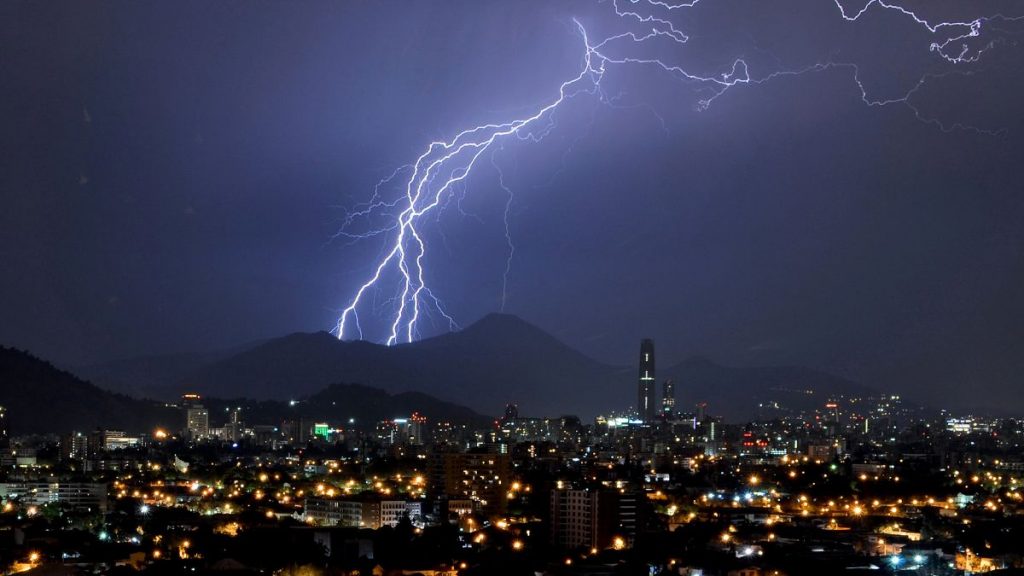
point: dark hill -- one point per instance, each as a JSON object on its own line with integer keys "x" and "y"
{"x": 40, "y": 398}
{"x": 339, "y": 404}
{"x": 736, "y": 392}
{"x": 144, "y": 375}
{"x": 499, "y": 359}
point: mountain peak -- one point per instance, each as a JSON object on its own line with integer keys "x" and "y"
{"x": 497, "y": 359}
{"x": 503, "y": 322}
{"x": 495, "y": 331}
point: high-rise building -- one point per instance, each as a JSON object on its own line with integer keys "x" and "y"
{"x": 4, "y": 437}
{"x": 645, "y": 407}
{"x": 388, "y": 431}
{"x": 295, "y": 432}
{"x": 477, "y": 476}
{"x": 234, "y": 427}
{"x": 668, "y": 399}
{"x": 598, "y": 518}
{"x": 417, "y": 429}
{"x": 74, "y": 446}
{"x": 197, "y": 417}
{"x": 575, "y": 521}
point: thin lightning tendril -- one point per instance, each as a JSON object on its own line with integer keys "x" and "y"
{"x": 446, "y": 164}
{"x": 508, "y": 233}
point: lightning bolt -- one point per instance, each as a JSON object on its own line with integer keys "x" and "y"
{"x": 967, "y": 29}
{"x": 430, "y": 181}
{"x": 508, "y": 233}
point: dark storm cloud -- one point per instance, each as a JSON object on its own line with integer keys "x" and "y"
{"x": 171, "y": 174}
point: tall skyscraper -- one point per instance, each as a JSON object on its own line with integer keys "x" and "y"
{"x": 668, "y": 399}
{"x": 646, "y": 390}
{"x": 197, "y": 417}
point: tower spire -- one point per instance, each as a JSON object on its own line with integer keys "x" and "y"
{"x": 647, "y": 387}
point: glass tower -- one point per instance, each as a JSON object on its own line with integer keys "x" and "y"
{"x": 647, "y": 387}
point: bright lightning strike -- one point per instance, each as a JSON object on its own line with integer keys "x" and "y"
{"x": 961, "y": 32}
{"x": 430, "y": 181}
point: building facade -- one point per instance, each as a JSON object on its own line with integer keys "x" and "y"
{"x": 594, "y": 518}
{"x": 197, "y": 418}
{"x": 369, "y": 513}
{"x": 77, "y": 495}
{"x": 481, "y": 477}
{"x": 668, "y": 399}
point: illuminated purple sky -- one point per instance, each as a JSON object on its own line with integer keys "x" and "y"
{"x": 172, "y": 174}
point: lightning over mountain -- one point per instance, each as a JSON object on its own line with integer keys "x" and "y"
{"x": 397, "y": 286}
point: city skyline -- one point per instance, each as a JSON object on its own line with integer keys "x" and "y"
{"x": 845, "y": 485}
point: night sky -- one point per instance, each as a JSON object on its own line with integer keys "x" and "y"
{"x": 172, "y": 174}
